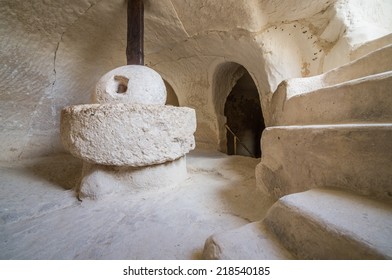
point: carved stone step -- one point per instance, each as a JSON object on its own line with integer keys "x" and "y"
{"x": 366, "y": 99}
{"x": 317, "y": 224}
{"x": 332, "y": 224}
{"x": 354, "y": 92}
{"x": 253, "y": 241}
{"x": 356, "y": 157}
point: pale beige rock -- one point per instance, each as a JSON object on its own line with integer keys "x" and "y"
{"x": 128, "y": 134}
{"x": 361, "y": 100}
{"x": 363, "y": 49}
{"x": 131, "y": 84}
{"x": 355, "y": 92}
{"x": 332, "y": 224}
{"x": 74, "y": 43}
{"x": 185, "y": 41}
{"x": 354, "y": 23}
{"x": 375, "y": 62}
{"x": 317, "y": 224}
{"x": 40, "y": 220}
{"x": 355, "y": 157}
{"x": 253, "y": 241}
{"x": 99, "y": 180}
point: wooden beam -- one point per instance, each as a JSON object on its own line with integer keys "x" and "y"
{"x": 135, "y": 32}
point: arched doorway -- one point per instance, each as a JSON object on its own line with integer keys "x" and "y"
{"x": 244, "y": 118}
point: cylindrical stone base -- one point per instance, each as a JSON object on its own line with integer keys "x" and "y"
{"x": 100, "y": 180}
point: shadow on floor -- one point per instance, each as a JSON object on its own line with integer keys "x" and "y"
{"x": 62, "y": 170}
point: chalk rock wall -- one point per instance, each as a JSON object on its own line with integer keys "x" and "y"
{"x": 53, "y": 52}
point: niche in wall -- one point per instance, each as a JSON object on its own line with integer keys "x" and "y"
{"x": 172, "y": 98}
{"x": 244, "y": 118}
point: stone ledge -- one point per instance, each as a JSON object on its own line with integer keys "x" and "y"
{"x": 253, "y": 241}
{"x": 361, "y": 100}
{"x": 332, "y": 224}
{"x": 355, "y": 157}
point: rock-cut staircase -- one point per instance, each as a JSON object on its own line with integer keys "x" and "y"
{"x": 327, "y": 159}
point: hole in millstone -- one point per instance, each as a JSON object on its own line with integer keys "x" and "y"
{"x": 122, "y": 84}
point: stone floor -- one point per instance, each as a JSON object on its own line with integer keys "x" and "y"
{"x": 40, "y": 217}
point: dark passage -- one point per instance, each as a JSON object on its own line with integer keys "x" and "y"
{"x": 244, "y": 118}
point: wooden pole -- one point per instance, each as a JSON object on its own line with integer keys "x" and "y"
{"x": 135, "y": 32}
{"x": 235, "y": 145}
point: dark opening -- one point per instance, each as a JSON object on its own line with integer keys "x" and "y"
{"x": 122, "y": 84}
{"x": 245, "y": 122}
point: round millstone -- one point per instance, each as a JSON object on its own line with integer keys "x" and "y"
{"x": 133, "y": 84}
{"x": 128, "y": 134}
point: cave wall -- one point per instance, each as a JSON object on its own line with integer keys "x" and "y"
{"x": 53, "y": 54}
{"x": 54, "y": 51}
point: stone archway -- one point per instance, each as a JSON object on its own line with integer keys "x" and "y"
{"x": 244, "y": 118}
{"x": 230, "y": 79}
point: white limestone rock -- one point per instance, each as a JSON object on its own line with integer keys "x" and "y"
{"x": 355, "y": 157}
{"x": 356, "y": 92}
{"x": 100, "y": 180}
{"x": 328, "y": 223}
{"x": 128, "y": 134}
{"x": 131, "y": 84}
{"x": 253, "y": 241}
{"x": 361, "y": 100}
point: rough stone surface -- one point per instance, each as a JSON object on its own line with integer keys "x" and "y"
{"x": 251, "y": 242}
{"x": 356, "y": 157}
{"x": 361, "y": 100}
{"x": 131, "y": 84}
{"x": 41, "y": 219}
{"x": 100, "y": 180}
{"x": 332, "y": 224}
{"x": 128, "y": 134}
{"x": 355, "y": 92}
{"x": 372, "y": 63}
{"x": 54, "y": 52}
{"x": 348, "y": 29}
{"x": 317, "y": 224}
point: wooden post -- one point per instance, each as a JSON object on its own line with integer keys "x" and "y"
{"x": 235, "y": 145}
{"x": 135, "y": 33}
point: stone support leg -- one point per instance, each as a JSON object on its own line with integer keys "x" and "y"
{"x": 100, "y": 180}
